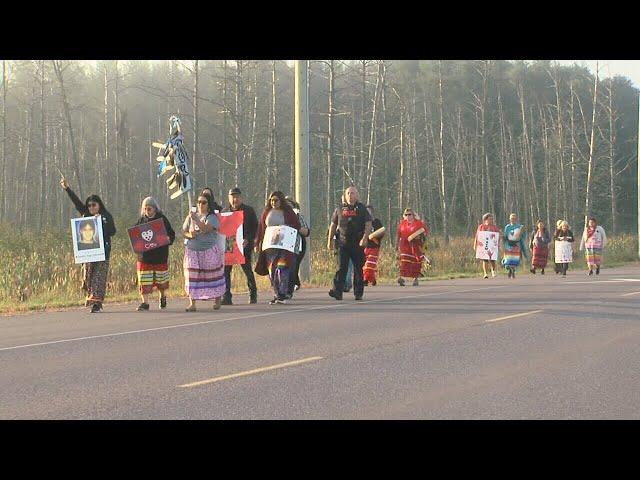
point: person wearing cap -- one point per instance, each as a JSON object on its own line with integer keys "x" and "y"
{"x": 487, "y": 225}
{"x": 410, "y": 253}
{"x": 353, "y": 221}
{"x": 249, "y": 228}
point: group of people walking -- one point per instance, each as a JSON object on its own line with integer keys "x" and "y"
{"x": 513, "y": 241}
{"x": 355, "y": 236}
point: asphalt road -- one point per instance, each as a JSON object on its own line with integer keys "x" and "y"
{"x": 537, "y": 347}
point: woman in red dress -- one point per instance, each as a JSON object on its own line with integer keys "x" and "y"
{"x": 410, "y": 253}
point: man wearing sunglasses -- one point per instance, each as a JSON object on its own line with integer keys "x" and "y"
{"x": 353, "y": 222}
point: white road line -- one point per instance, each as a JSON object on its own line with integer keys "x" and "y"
{"x": 631, "y": 293}
{"x": 598, "y": 281}
{"x": 276, "y": 311}
{"x": 250, "y": 372}
{"x": 512, "y": 316}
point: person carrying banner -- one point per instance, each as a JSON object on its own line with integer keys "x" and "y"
{"x": 563, "y": 250}
{"x": 276, "y": 262}
{"x": 203, "y": 259}
{"x": 249, "y": 228}
{"x": 152, "y": 266}
{"x": 372, "y": 250}
{"x": 487, "y": 225}
{"x": 409, "y": 241}
{"x": 594, "y": 239}
{"x": 94, "y": 274}
{"x": 353, "y": 222}
{"x": 514, "y": 236}
{"x": 300, "y": 249}
{"x": 539, "y": 246}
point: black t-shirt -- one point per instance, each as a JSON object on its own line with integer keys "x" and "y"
{"x": 350, "y": 220}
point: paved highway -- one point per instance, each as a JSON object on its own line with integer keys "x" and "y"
{"x": 537, "y": 347}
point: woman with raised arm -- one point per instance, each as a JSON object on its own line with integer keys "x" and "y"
{"x": 95, "y": 273}
{"x": 203, "y": 259}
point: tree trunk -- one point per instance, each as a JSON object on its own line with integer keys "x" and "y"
{"x": 587, "y": 204}
{"x": 443, "y": 190}
{"x": 330, "y": 199}
{"x": 5, "y": 194}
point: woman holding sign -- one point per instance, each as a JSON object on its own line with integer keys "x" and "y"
{"x": 486, "y": 244}
{"x": 95, "y": 273}
{"x": 152, "y": 266}
{"x": 409, "y": 244}
{"x": 274, "y": 258}
{"x": 203, "y": 258}
{"x": 563, "y": 238}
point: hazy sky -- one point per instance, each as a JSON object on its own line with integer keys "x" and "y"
{"x": 626, "y": 68}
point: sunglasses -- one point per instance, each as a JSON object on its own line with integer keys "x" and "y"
{"x": 202, "y": 202}
{"x": 408, "y": 215}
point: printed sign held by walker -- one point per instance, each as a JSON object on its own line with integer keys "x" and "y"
{"x": 281, "y": 237}
{"x": 487, "y": 245}
{"x": 88, "y": 241}
{"x": 231, "y": 229}
{"x": 148, "y": 236}
{"x": 563, "y": 252}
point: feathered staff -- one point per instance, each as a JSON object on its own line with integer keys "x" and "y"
{"x": 172, "y": 157}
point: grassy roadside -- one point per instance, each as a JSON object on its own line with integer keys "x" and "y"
{"x": 37, "y": 277}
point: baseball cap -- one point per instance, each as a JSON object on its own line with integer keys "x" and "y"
{"x": 235, "y": 191}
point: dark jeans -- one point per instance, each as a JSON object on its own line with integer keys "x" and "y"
{"x": 248, "y": 272}
{"x": 356, "y": 255}
{"x": 294, "y": 277}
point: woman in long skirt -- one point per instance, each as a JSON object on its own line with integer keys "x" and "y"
{"x": 410, "y": 252}
{"x": 372, "y": 250}
{"x": 203, "y": 258}
{"x": 276, "y": 262}
{"x": 563, "y": 250}
{"x": 594, "y": 239}
{"x": 152, "y": 266}
{"x": 539, "y": 246}
{"x": 513, "y": 245}
{"x": 95, "y": 273}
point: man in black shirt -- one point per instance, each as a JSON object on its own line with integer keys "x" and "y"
{"x": 249, "y": 228}
{"x": 353, "y": 222}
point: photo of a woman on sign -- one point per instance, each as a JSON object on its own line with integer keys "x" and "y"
{"x": 87, "y": 234}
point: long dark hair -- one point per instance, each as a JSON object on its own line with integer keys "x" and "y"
{"x": 284, "y": 205}
{"x": 102, "y": 210}
{"x": 212, "y": 201}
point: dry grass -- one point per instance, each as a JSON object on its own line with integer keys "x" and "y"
{"x": 38, "y": 269}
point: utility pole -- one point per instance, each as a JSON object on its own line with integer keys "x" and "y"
{"x": 302, "y": 153}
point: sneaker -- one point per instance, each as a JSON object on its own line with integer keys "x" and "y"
{"x": 359, "y": 298}
{"x": 542, "y": 272}
{"x": 590, "y": 272}
{"x": 273, "y": 301}
{"x": 485, "y": 276}
{"x": 163, "y": 302}
{"x": 281, "y": 300}
{"x": 296, "y": 288}
{"x": 532, "y": 270}
{"x": 332, "y": 293}
{"x": 95, "y": 308}
{"x": 142, "y": 307}
{"x": 401, "y": 281}
{"x": 226, "y": 301}
{"x": 374, "y": 283}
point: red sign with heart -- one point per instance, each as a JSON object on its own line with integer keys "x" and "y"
{"x": 148, "y": 236}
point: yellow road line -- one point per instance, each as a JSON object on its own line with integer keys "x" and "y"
{"x": 631, "y": 293}
{"x": 250, "y": 372}
{"x": 512, "y": 316}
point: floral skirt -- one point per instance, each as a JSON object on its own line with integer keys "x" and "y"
{"x": 95, "y": 281}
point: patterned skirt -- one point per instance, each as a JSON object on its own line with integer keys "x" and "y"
{"x": 95, "y": 281}
{"x": 204, "y": 273}
{"x": 511, "y": 257}
{"x": 279, "y": 263}
{"x": 370, "y": 265}
{"x": 152, "y": 274}
{"x": 593, "y": 252}
{"x": 539, "y": 256}
{"x": 411, "y": 263}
